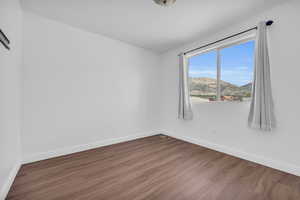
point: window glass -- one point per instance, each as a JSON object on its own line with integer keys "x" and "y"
{"x": 203, "y": 77}
{"x": 237, "y": 72}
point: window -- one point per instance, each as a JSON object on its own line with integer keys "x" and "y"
{"x": 222, "y": 74}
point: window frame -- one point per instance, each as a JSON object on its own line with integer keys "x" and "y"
{"x": 218, "y": 47}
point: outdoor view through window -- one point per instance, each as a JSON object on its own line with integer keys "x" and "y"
{"x": 235, "y": 74}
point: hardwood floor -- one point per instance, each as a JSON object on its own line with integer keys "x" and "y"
{"x": 152, "y": 168}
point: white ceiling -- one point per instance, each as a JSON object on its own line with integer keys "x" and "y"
{"x": 145, "y": 24}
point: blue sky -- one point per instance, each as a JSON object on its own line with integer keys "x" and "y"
{"x": 236, "y": 64}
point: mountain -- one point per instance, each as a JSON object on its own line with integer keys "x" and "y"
{"x": 207, "y": 86}
{"x": 247, "y": 87}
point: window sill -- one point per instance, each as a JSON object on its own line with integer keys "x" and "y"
{"x": 221, "y": 102}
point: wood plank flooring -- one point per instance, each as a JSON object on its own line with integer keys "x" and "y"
{"x": 152, "y": 168}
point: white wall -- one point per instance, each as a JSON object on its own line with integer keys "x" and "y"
{"x": 10, "y": 93}
{"x": 83, "y": 88}
{"x": 223, "y": 126}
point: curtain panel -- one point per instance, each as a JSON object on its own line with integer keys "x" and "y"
{"x": 184, "y": 109}
{"x": 261, "y": 114}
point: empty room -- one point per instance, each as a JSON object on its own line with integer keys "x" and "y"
{"x": 149, "y": 100}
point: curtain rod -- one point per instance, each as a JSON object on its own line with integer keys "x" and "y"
{"x": 4, "y": 40}
{"x": 268, "y": 23}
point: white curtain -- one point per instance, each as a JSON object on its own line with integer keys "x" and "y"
{"x": 184, "y": 108}
{"x": 261, "y": 114}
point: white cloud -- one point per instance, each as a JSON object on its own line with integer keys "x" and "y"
{"x": 242, "y": 68}
{"x": 202, "y": 72}
{"x": 237, "y": 68}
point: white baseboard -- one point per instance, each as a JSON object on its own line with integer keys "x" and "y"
{"x": 12, "y": 175}
{"x": 275, "y": 164}
{"x": 82, "y": 147}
